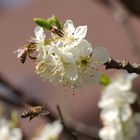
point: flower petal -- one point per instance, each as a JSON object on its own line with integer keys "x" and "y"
{"x": 80, "y": 32}
{"x": 39, "y": 34}
{"x": 57, "y": 128}
{"x": 69, "y": 27}
{"x": 85, "y": 48}
{"x": 100, "y": 55}
{"x": 91, "y": 79}
{"x": 71, "y": 72}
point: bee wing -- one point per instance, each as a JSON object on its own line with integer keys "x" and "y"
{"x": 19, "y": 52}
{"x": 44, "y": 113}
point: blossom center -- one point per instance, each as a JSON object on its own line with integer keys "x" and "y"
{"x": 84, "y": 64}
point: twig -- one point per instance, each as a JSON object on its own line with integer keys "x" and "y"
{"x": 75, "y": 128}
{"x": 123, "y": 64}
{"x": 68, "y": 129}
{"x": 84, "y": 130}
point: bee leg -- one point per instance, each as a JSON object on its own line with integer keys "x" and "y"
{"x": 32, "y": 57}
{"x": 31, "y": 117}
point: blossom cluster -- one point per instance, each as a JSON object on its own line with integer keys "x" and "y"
{"x": 7, "y": 132}
{"x": 67, "y": 58}
{"x": 116, "y": 114}
{"x": 50, "y": 131}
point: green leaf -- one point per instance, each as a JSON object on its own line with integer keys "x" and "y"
{"x": 104, "y": 80}
{"x": 57, "y": 23}
{"x": 54, "y": 22}
{"x": 51, "y": 21}
{"x": 46, "y": 24}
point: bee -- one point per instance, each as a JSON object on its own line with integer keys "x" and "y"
{"x": 23, "y": 52}
{"x": 33, "y": 112}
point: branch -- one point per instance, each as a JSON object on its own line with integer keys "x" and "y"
{"x": 69, "y": 130}
{"x": 86, "y": 131}
{"x": 74, "y": 128}
{"x": 123, "y": 64}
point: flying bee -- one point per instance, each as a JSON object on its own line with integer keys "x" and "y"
{"x": 34, "y": 112}
{"x": 23, "y": 52}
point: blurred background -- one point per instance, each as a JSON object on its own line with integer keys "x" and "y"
{"x": 115, "y": 26}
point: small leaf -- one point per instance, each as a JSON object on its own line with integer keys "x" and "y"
{"x": 51, "y": 21}
{"x": 46, "y": 24}
{"x": 104, "y": 80}
{"x": 57, "y": 23}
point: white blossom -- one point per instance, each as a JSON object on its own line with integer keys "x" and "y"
{"x": 9, "y": 133}
{"x": 40, "y": 41}
{"x": 50, "y": 131}
{"x": 69, "y": 60}
{"x": 116, "y": 113}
